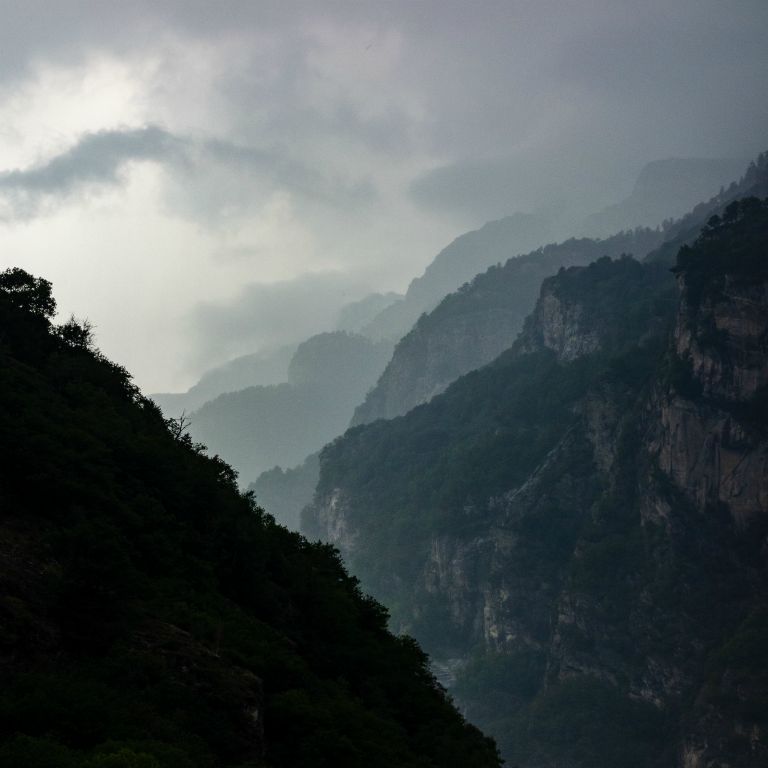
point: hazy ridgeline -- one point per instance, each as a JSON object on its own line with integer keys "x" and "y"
{"x": 513, "y": 489}
{"x": 256, "y": 415}
{"x": 473, "y": 325}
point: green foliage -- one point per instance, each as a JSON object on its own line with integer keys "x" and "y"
{"x": 76, "y": 334}
{"x": 678, "y": 373}
{"x": 519, "y": 674}
{"x": 589, "y": 723}
{"x": 154, "y": 616}
{"x": 435, "y": 468}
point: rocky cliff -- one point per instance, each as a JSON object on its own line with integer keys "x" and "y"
{"x": 578, "y": 530}
{"x": 473, "y": 326}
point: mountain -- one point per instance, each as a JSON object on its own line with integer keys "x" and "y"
{"x": 354, "y": 317}
{"x": 262, "y": 368}
{"x": 754, "y": 183}
{"x": 472, "y": 326}
{"x": 578, "y": 531}
{"x": 258, "y": 427}
{"x": 458, "y": 262}
{"x": 285, "y": 492}
{"x": 665, "y": 189}
{"x": 151, "y": 615}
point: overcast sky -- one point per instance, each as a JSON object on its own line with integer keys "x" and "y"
{"x": 165, "y": 162}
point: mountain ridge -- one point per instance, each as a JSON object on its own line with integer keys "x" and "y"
{"x": 578, "y": 529}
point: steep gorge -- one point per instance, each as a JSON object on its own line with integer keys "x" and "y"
{"x": 577, "y": 531}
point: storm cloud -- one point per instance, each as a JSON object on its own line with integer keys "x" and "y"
{"x": 101, "y": 159}
{"x": 234, "y": 143}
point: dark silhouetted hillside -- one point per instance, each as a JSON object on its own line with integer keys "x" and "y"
{"x": 151, "y": 615}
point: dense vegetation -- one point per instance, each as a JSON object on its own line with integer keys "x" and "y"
{"x": 436, "y": 467}
{"x": 528, "y": 490}
{"x": 152, "y": 616}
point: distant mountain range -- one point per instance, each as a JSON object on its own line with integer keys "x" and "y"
{"x": 472, "y": 326}
{"x": 265, "y": 368}
{"x": 260, "y": 426}
{"x": 665, "y": 189}
{"x": 271, "y": 422}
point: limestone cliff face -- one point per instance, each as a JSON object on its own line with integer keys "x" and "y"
{"x": 706, "y": 434}
{"x": 560, "y": 326}
{"x": 629, "y": 568}
{"x": 724, "y": 334}
{"x": 703, "y": 438}
{"x": 428, "y": 359}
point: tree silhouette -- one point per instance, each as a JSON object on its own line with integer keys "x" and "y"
{"x": 34, "y": 294}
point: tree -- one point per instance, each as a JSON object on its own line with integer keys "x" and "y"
{"x": 33, "y": 294}
{"x": 76, "y": 334}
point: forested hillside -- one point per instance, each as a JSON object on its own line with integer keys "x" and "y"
{"x": 577, "y": 531}
{"x": 151, "y": 615}
{"x": 262, "y": 368}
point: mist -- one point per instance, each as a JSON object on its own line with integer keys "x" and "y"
{"x": 181, "y": 155}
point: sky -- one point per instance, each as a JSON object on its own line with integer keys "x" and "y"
{"x": 203, "y": 179}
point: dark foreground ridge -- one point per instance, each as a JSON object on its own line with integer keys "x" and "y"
{"x": 151, "y": 616}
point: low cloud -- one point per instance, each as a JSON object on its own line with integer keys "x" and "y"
{"x": 270, "y": 315}
{"x": 97, "y": 160}
{"x": 247, "y": 174}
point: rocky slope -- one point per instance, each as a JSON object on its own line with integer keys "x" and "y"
{"x": 578, "y": 531}
{"x": 471, "y": 327}
{"x": 151, "y": 615}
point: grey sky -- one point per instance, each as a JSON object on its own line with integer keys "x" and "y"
{"x": 158, "y": 159}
